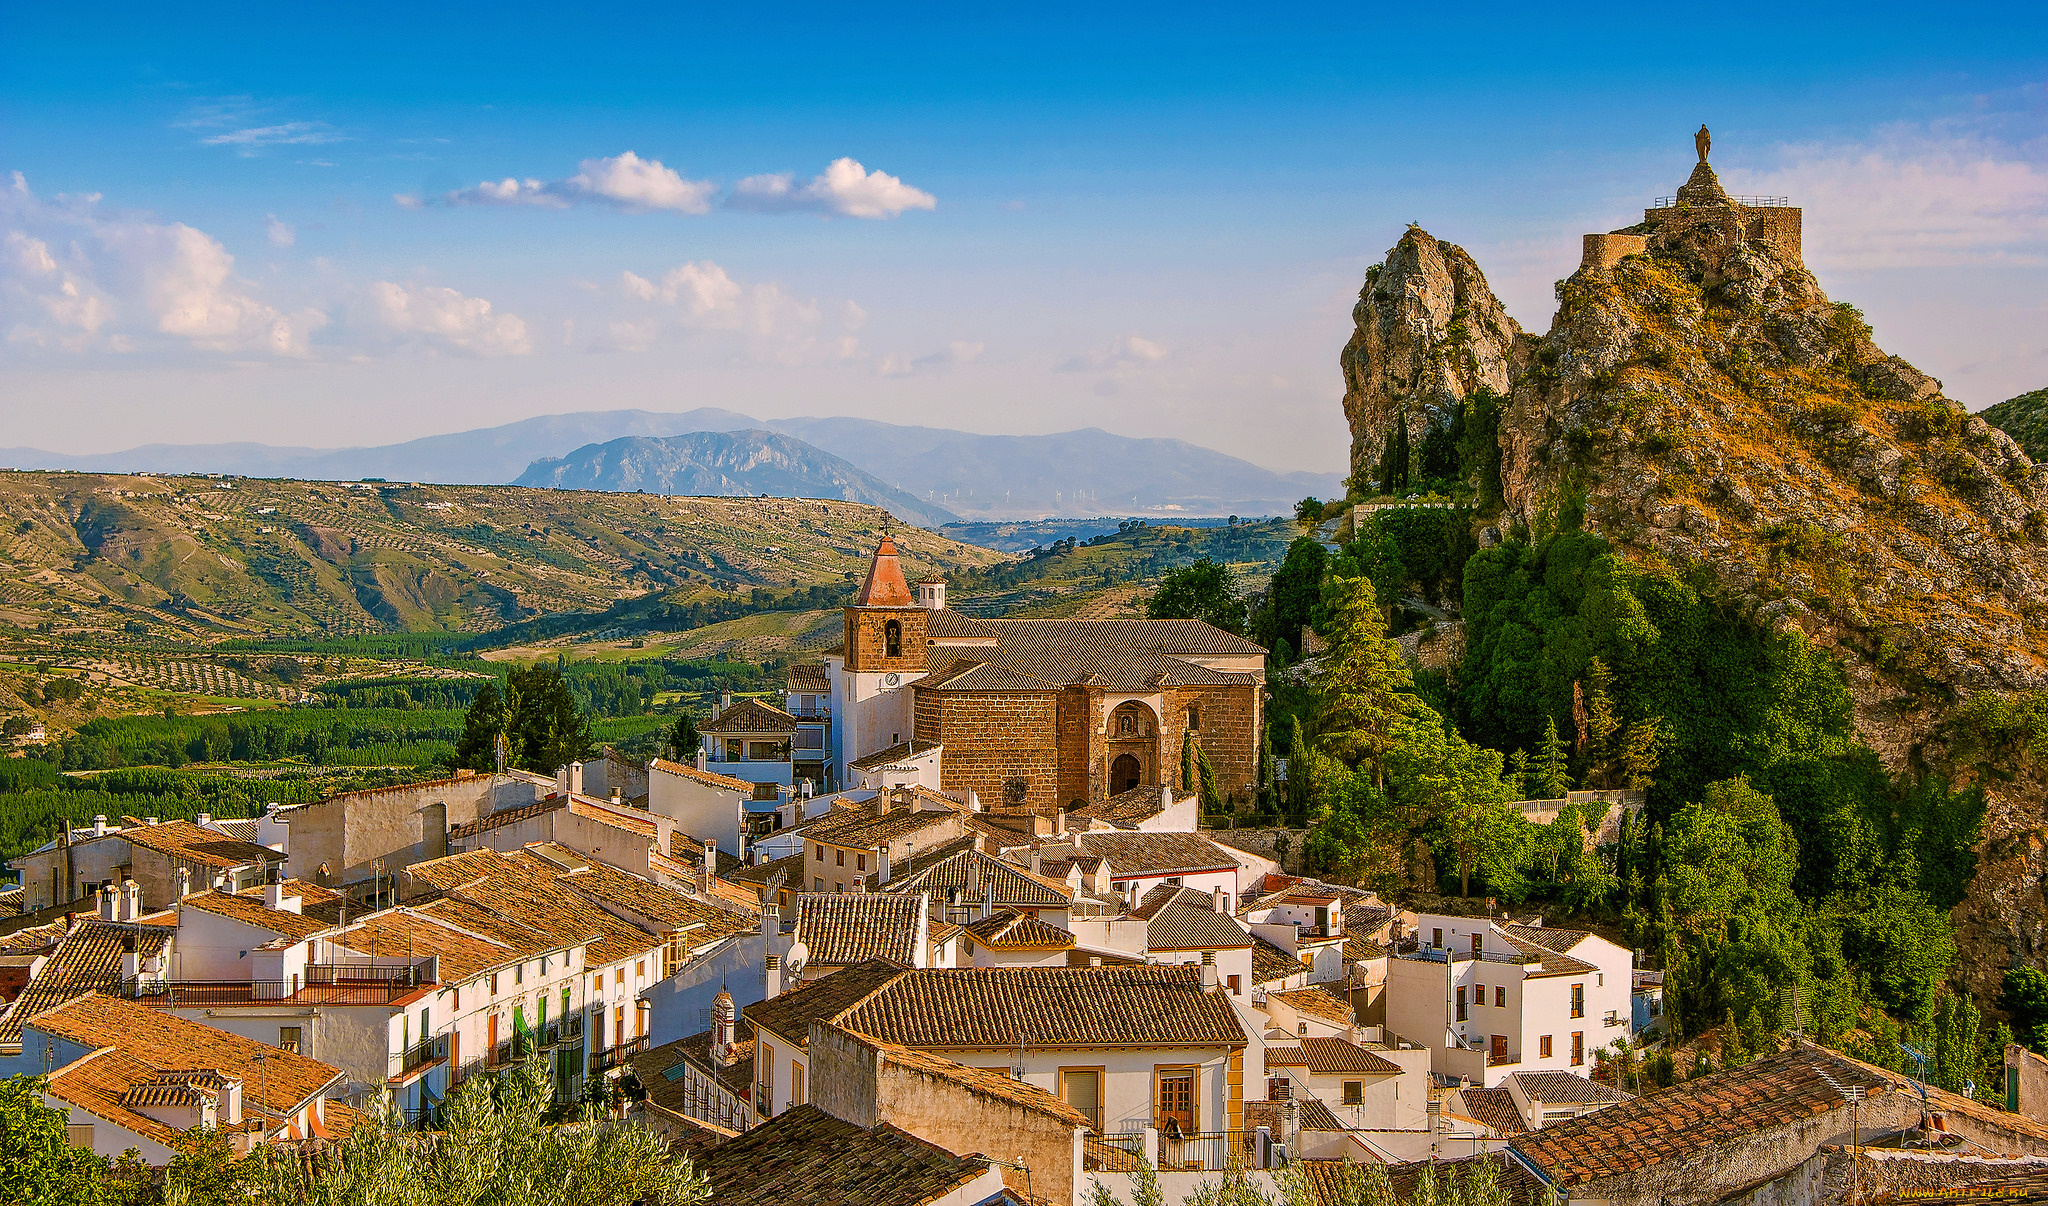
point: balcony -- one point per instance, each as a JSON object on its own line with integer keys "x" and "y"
{"x": 1441, "y": 954}
{"x": 618, "y": 1056}
{"x": 420, "y": 1054}
{"x": 194, "y": 994}
{"x": 563, "y": 1031}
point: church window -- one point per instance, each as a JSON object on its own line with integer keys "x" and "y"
{"x": 892, "y": 639}
{"x": 1195, "y": 718}
{"x": 1127, "y": 725}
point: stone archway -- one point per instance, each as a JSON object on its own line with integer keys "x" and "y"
{"x": 1125, "y": 773}
{"x": 1131, "y": 749}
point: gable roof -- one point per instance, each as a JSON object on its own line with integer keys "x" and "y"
{"x": 750, "y": 716}
{"x": 1696, "y": 1114}
{"x": 1495, "y": 1108}
{"x": 1150, "y": 855}
{"x": 845, "y": 928}
{"x": 708, "y": 778}
{"x": 1329, "y": 1057}
{"x": 958, "y": 865}
{"x": 805, "y": 1157}
{"x": 809, "y": 677}
{"x": 1565, "y": 1088}
{"x": 1185, "y": 921}
{"x": 1124, "y": 808}
{"x": 979, "y": 1081}
{"x": 952, "y": 1008}
{"x": 251, "y": 911}
{"x": 1116, "y": 655}
{"x": 1317, "y": 1002}
{"x": 523, "y": 902}
{"x": 790, "y": 1015}
{"x": 187, "y": 842}
{"x": 1550, "y": 962}
{"x": 87, "y": 960}
{"x": 1009, "y": 930}
{"x": 902, "y": 749}
{"x": 1270, "y": 963}
{"x": 884, "y": 586}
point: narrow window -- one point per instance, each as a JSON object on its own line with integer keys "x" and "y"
{"x": 842, "y": 857}
{"x": 892, "y": 639}
{"x": 1544, "y": 1045}
{"x": 1578, "y": 1047}
{"x": 1235, "y": 991}
{"x": 1195, "y": 718}
{"x": 860, "y": 862}
{"x": 1461, "y": 1003}
{"x": 1500, "y": 996}
{"x": 1436, "y": 937}
{"x": 1578, "y": 1002}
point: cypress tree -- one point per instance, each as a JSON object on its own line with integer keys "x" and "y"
{"x": 1553, "y": 764}
{"x": 1401, "y": 450}
{"x": 1390, "y": 479}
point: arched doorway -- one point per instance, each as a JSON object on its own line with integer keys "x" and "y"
{"x": 1125, "y": 773}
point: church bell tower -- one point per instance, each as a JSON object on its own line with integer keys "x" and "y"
{"x": 885, "y": 627}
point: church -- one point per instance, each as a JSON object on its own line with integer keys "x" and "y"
{"x": 1032, "y": 715}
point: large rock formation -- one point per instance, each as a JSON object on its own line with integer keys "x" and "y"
{"x": 1429, "y": 332}
{"x": 1710, "y": 406}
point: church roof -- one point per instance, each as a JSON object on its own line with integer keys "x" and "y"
{"x": 970, "y": 654}
{"x": 885, "y": 586}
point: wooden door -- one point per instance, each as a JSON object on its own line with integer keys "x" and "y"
{"x": 1499, "y": 1054}
{"x": 1177, "y": 1100}
{"x": 491, "y": 1039}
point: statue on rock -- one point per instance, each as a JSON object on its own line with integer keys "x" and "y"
{"x": 1702, "y": 141}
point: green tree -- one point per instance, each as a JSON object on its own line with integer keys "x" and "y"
{"x": 1200, "y": 591}
{"x": 1291, "y": 595}
{"x": 1553, "y": 763}
{"x": 1401, "y": 450}
{"x": 37, "y": 1162}
{"x": 477, "y": 748}
{"x": 1732, "y": 1053}
{"x": 496, "y": 1149}
{"x": 207, "y": 1172}
{"x": 545, "y": 727}
{"x": 1596, "y": 724}
{"x": 2024, "y": 997}
{"x": 1298, "y": 766}
{"x": 1364, "y": 688}
{"x": 1958, "y": 1046}
{"x": 682, "y": 740}
{"x": 1309, "y": 510}
{"x": 1641, "y": 747}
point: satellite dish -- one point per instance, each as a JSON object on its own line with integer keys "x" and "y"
{"x": 799, "y": 955}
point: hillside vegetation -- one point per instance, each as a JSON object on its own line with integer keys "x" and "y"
{"x": 2025, "y": 419}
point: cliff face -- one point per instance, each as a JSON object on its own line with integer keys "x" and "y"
{"x": 1710, "y": 406}
{"x": 1428, "y": 332}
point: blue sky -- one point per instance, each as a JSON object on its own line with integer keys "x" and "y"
{"x": 272, "y": 225}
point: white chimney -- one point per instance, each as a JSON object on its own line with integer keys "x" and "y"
{"x": 562, "y": 780}
{"x": 988, "y": 900}
{"x": 110, "y": 904}
{"x": 709, "y": 870}
{"x": 1037, "y": 859}
{"x": 575, "y": 778}
{"x": 183, "y": 881}
{"x": 616, "y": 799}
{"x": 131, "y": 900}
{"x": 1216, "y": 899}
{"x": 1095, "y": 960}
{"x": 772, "y": 970}
{"x": 702, "y": 757}
{"x": 723, "y": 1018}
{"x": 204, "y": 818}
{"x": 1165, "y": 795}
{"x": 99, "y": 825}
{"x": 1208, "y": 969}
{"x": 882, "y": 866}
{"x": 274, "y": 896}
{"x": 724, "y": 698}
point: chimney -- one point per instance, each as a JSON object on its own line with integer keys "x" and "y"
{"x": 616, "y": 800}
{"x": 1037, "y": 859}
{"x": 882, "y": 865}
{"x": 1435, "y": 1111}
{"x": 988, "y": 900}
{"x": 1059, "y": 823}
{"x": 152, "y": 820}
{"x": 99, "y": 825}
{"x": 974, "y": 876}
{"x": 882, "y": 803}
{"x": 772, "y": 971}
{"x": 109, "y": 904}
{"x": 710, "y": 869}
{"x": 562, "y": 780}
{"x": 575, "y": 778}
{"x": 1095, "y": 960}
{"x": 131, "y": 900}
{"x": 204, "y": 818}
{"x": 1208, "y": 970}
{"x": 1216, "y": 899}
{"x": 723, "y": 1017}
{"x": 724, "y": 698}
{"x": 274, "y": 895}
{"x": 702, "y": 757}
{"x": 183, "y": 881}
{"x": 1165, "y": 795}
{"x": 1290, "y": 1123}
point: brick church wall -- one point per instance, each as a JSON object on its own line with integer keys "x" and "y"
{"x": 1229, "y": 734}
{"x": 1081, "y": 747}
{"x": 993, "y": 737}
{"x": 866, "y": 639}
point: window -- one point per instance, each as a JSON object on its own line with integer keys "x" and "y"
{"x": 1436, "y": 937}
{"x": 892, "y": 639}
{"x": 1479, "y": 994}
{"x": 1500, "y": 996}
{"x": 543, "y": 965}
{"x": 494, "y": 984}
{"x": 796, "y": 1083}
{"x": 618, "y": 977}
{"x": 597, "y": 984}
{"x": 1195, "y": 718}
{"x": 1461, "y": 1003}
{"x": 1600, "y": 979}
{"x": 839, "y": 885}
{"x": 820, "y": 850}
{"x": 1578, "y": 1048}
{"x": 767, "y": 751}
{"x": 1235, "y": 990}
{"x": 768, "y": 1084}
{"x": 619, "y": 1024}
{"x": 288, "y": 1039}
{"x": 1354, "y": 1092}
{"x": 1082, "y": 1089}
{"x": 817, "y": 884}
{"x": 860, "y": 862}
{"x": 565, "y": 1001}
{"x": 519, "y": 972}
{"x": 842, "y": 857}
{"x": 1543, "y": 1046}
{"x": 1279, "y": 1088}
{"x": 810, "y": 738}
{"x": 1578, "y": 1000}
{"x": 1477, "y": 948}
{"x": 1127, "y": 724}
{"x": 425, "y": 1029}
{"x": 640, "y": 970}
{"x": 1173, "y": 1098}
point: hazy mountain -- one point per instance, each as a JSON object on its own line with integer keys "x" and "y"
{"x": 1075, "y": 473}
{"x": 729, "y": 463}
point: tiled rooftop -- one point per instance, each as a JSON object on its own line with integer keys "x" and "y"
{"x": 805, "y": 1157}
{"x": 1565, "y": 1088}
{"x": 1116, "y": 655}
{"x": 708, "y": 778}
{"x": 791, "y": 1014}
{"x": 846, "y": 928}
{"x": 1124, "y": 808}
{"x": 1270, "y": 964}
{"x": 1007, "y": 929}
{"x": 250, "y": 910}
{"x": 809, "y": 677}
{"x": 187, "y": 842}
{"x": 941, "y": 1008}
{"x": 894, "y": 753}
{"x": 659, "y": 1068}
{"x": 747, "y": 716}
{"x": 88, "y": 960}
{"x": 1317, "y": 1002}
{"x": 1147, "y": 855}
{"x": 1495, "y": 1108}
{"x": 958, "y": 865}
{"x": 1182, "y": 919}
{"x": 980, "y": 1081}
{"x": 1329, "y": 1057}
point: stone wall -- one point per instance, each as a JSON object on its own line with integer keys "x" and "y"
{"x": 1229, "y": 734}
{"x": 866, "y": 639}
{"x": 1607, "y": 250}
{"x": 1265, "y": 843}
{"x": 992, "y": 738}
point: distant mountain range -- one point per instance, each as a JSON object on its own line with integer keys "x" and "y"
{"x": 726, "y": 463}
{"x": 1076, "y": 473}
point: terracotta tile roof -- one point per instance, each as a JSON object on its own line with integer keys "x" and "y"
{"x": 1149, "y": 855}
{"x": 519, "y": 892}
{"x": 660, "y": 1068}
{"x": 1565, "y": 1088}
{"x": 1317, "y": 1002}
{"x": 1271, "y": 964}
{"x": 1183, "y": 920}
{"x": 791, "y": 1014}
{"x": 706, "y": 777}
{"x": 507, "y": 816}
{"x": 1116, "y": 655}
{"x": 942, "y": 1008}
{"x": 1359, "y": 950}
{"x": 1328, "y": 1056}
{"x": 606, "y": 885}
{"x": 618, "y": 818}
{"x": 157, "y": 1041}
{"x": 1694, "y": 1115}
{"x": 1309, "y": 1113}
{"x": 972, "y": 674}
{"x": 847, "y": 928}
{"x": 810, "y": 677}
{"x": 1495, "y": 1108}
{"x": 1551, "y": 963}
{"x": 902, "y": 749}
{"x": 250, "y": 910}
{"x": 424, "y": 932}
{"x": 689, "y": 850}
{"x": 1560, "y": 941}
{"x": 860, "y": 828}
{"x": 88, "y": 960}
{"x": 806, "y": 1157}
{"x": 1127, "y": 808}
{"x": 980, "y": 1081}
{"x": 187, "y": 842}
{"x": 1007, "y": 929}
{"x": 790, "y": 867}
{"x": 884, "y": 586}
{"x": 750, "y": 716}
{"x": 34, "y": 940}
{"x": 957, "y": 864}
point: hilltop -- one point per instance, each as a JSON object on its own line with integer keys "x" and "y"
{"x": 731, "y": 463}
{"x": 2025, "y": 419}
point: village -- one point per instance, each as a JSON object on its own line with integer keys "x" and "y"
{"x": 942, "y": 927}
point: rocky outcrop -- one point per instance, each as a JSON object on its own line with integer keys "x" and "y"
{"x": 1428, "y": 332}
{"x": 2025, "y": 419}
{"x": 1709, "y": 406}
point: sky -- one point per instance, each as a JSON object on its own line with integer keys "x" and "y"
{"x": 328, "y": 227}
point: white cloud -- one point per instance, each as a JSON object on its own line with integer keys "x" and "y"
{"x": 763, "y": 320}
{"x": 1912, "y": 197}
{"x": 439, "y": 317}
{"x": 844, "y": 188}
{"x": 251, "y": 139}
{"x": 625, "y": 181}
{"x": 77, "y": 279}
{"x": 956, "y": 352}
{"x": 1125, "y": 352}
{"x": 280, "y": 233}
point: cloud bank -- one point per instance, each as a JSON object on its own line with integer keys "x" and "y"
{"x": 636, "y": 185}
